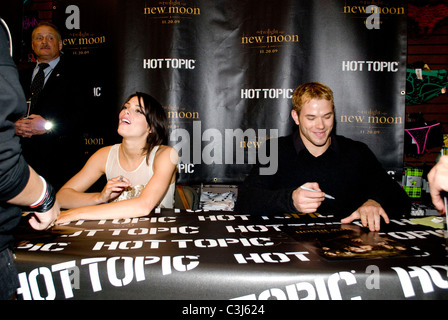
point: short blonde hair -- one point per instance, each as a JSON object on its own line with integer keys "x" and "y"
{"x": 50, "y": 25}
{"x": 308, "y": 91}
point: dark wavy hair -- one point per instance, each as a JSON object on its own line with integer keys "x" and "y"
{"x": 156, "y": 119}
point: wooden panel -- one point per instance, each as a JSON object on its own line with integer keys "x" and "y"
{"x": 433, "y": 50}
{"x": 428, "y": 50}
{"x": 436, "y": 38}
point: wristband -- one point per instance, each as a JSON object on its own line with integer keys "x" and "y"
{"x": 44, "y": 190}
{"x": 46, "y": 202}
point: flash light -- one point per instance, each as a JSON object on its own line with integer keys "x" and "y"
{"x": 48, "y": 125}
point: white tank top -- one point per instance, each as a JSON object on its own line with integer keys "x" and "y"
{"x": 138, "y": 177}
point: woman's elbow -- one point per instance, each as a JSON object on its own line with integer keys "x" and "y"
{"x": 143, "y": 208}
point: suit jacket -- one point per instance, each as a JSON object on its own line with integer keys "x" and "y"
{"x": 58, "y": 99}
{"x": 58, "y": 154}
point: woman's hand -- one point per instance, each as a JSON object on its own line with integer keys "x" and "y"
{"x": 66, "y": 217}
{"x": 113, "y": 188}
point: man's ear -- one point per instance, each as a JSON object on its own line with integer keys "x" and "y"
{"x": 295, "y": 116}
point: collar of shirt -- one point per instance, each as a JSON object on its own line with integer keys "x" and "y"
{"x": 47, "y": 71}
{"x": 300, "y": 146}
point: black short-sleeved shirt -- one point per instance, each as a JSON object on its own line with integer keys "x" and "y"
{"x": 14, "y": 172}
{"x": 348, "y": 170}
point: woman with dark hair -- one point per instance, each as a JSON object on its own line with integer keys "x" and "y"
{"x": 140, "y": 171}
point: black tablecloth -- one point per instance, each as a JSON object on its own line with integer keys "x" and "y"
{"x": 173, "y": 254}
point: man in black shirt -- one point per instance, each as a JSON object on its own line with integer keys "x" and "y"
{"x": 314, "y": 157}
{"x": 20, "y": 185}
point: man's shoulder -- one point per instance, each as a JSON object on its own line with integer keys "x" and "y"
{"x": 65, "y": 64}
{"x": 62, "y": 64}
{"x": 352, "y": 147}
{"x": 282, "y": 142}
{"x": 65, "y": 75}
{"x": 344, "y": 141}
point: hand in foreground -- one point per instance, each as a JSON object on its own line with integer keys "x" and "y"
{"x": 66, "y": 217}
{"x": 370, "y": 214}
{"x": 438, "y": 182}
{"x": 31, "y": 126}
{"x": 45, "y": 220}
{"x": 308, "y": 201}
{"x": 113, "y": 188}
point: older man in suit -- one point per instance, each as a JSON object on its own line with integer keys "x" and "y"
{"x": 51, "y": 131}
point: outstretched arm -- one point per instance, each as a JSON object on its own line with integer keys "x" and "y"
{"x": 164, "y": 174}
{"x": 73, "y": 194}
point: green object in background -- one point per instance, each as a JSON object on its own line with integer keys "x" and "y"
{"x": 413, "y": 182}
{"x": 434, "y": 222}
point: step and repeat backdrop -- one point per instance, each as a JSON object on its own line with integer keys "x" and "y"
{"x": 225, "y": 72}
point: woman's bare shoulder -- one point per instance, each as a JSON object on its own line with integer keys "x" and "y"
{"x": 167, "y": 152}
{"x": 101, "y": 154}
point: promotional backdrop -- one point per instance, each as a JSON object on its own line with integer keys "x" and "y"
{"x": 225, "y": 72}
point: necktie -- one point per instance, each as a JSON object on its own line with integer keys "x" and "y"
{"x": 38, "y": 82}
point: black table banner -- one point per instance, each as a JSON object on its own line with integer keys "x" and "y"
{"x": 219, "y": 255}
